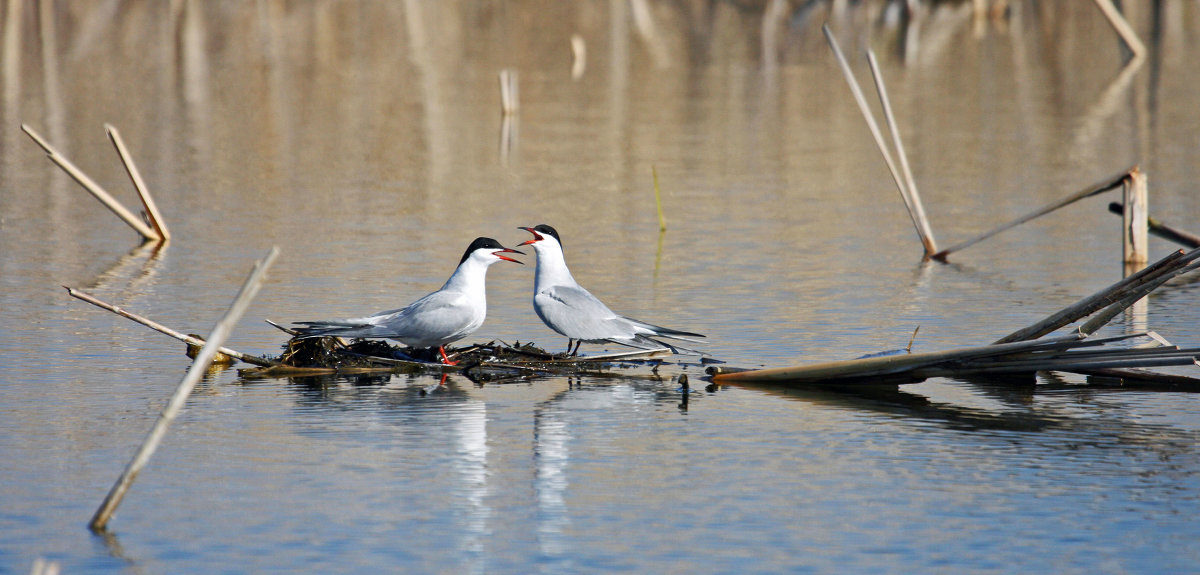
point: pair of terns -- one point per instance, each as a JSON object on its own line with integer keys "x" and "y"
{"x": 459, "y": 307}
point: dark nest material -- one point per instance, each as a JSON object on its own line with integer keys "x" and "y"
{"x": 492, "y": 360}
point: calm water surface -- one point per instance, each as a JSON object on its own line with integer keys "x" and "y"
{"x": 365, "y": 140}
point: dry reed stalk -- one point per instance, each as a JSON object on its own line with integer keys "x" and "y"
{"x": 889, "y": 365}
{"x": 1069, "y": 353}
{"x": 190, "y": 340}
{"x": 1104, "y": 186}
{"x": 219, "y": 333}
{"x": 91, "y": 186}
{"x": 1121, "y": 25}
{"x": 1168, "y": 267}
{"x": 910, "y": 183}
{"x": 152, "y": 213}
{"x": 1135, "y": 228}
{"x": 905, "y": 193}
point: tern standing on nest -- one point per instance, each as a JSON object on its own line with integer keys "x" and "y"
{"x": 570, "y": 310}
{"x": 440, "y": 318}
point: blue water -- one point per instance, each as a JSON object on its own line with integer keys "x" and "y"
{"x": 363, "y": 140}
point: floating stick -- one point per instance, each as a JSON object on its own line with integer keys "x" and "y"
{"x": 219, "y": 333}
{"x": 1104, "y": 186}
{"x": 190, "y": 340}
{"x": 662, "y": 221}
{"x": 156, "y": 219}
{"x": 91, "y": 186}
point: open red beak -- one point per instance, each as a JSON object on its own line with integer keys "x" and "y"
{"x": 508, "y": 259}
{"x": 536, "y": 237}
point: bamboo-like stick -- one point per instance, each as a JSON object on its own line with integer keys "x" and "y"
{"x": 219, "y": 333}
{"x": 890, "y": 365}
{"x": 922, "y": 222}
{"x": 1104, "y": 186}
{"x": 1132, "y": 296}
{"x": 662, "y": 221}
{"x": 1173, "y": 264}
{"x": 190, "y": 340}
{"x": 1162, "y": 230}
{"x": 1121, "y": 25}
{"x": 874, "y": 127}
{"x": 1134, "y": 219}
{"x": 91, "y": 186}
{"x": 156, "y": 219}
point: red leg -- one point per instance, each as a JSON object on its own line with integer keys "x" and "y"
{"x": 442, "y": 349}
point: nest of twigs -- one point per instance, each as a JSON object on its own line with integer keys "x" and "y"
{"x": 331, "y": 352}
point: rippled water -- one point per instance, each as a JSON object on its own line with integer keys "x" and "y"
{"x": 365, "y": 139}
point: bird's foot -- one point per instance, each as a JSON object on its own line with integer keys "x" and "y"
{"x": 446, "y": 360}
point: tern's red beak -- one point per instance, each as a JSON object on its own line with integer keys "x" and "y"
{"x": 508, "y": 251}
{"x": 536, "y": 237}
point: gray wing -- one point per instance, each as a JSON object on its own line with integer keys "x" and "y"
{"x": 577, "y": 314}
{"x": 435, "y": 319}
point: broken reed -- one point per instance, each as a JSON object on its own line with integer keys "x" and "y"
{"x": 156, "y": 230}
{"x": 152, "y": 214}
{"x": 188, "y": 339}
{"x": 216, "y": 338}
{"x": 91, "y": 186}
{"x": 912, "y": 200}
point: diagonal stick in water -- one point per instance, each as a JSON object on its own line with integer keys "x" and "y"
{"x": 1121, "y": 25}
{"x": 156, "y": 219}
{"x": 219, "y": 333}
{"x": 1104, "y": 186}
{"x": 91, "y": 186}
{"x": 1171, "y": 265}
{"x": 913, "y": 195}
{"x": 253, "y": 359}
{"x": 875, "y": 132}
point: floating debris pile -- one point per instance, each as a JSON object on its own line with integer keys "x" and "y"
{"x": 492, "y": 360}
{"x": 1022, "y": 353}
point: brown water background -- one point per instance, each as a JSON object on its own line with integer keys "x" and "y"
{"x": 366, "y": 140}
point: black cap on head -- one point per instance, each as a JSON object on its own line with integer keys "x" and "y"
{"x": 540, "y": 232}
{"x": 545, "y": 229}
{"x": 479, "y": 244}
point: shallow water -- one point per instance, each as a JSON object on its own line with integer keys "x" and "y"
{"x": 366, "y": 141}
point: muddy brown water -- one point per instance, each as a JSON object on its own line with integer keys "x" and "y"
{"x": 366, "y": 140}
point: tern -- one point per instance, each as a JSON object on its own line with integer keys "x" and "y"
{"x": 570, "y": 310}
{"x": 444, "y": 316}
